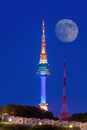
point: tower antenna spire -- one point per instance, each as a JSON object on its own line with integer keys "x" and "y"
{"x": 64, "y": 78}
{"x": 43, "y": 38}
{"x": 43, "y": 31}
{"x": 64, "y": 114}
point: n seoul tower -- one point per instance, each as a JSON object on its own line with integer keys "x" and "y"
{"x": 43, "y": 70}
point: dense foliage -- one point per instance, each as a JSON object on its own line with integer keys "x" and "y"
{"x": 38, "y": 127}
{"x": 25, "y": 111}
{"x": 80, "y": 117}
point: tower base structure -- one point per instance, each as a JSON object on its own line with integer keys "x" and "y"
{"x": 43, "y": 106}
{"x": 64, "y": 115}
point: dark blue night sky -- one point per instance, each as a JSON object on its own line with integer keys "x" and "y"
{"x": 20, "y": 46}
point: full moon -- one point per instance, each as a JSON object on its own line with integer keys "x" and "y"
{"x": 66, "y": 30}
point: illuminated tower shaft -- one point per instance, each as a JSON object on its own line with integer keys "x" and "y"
{"x": 43, "y": 89}
{"x": 43, "y": 71}
{"x": 64, "y": 114}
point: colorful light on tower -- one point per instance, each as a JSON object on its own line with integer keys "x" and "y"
{"x": 43, "y": 70}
